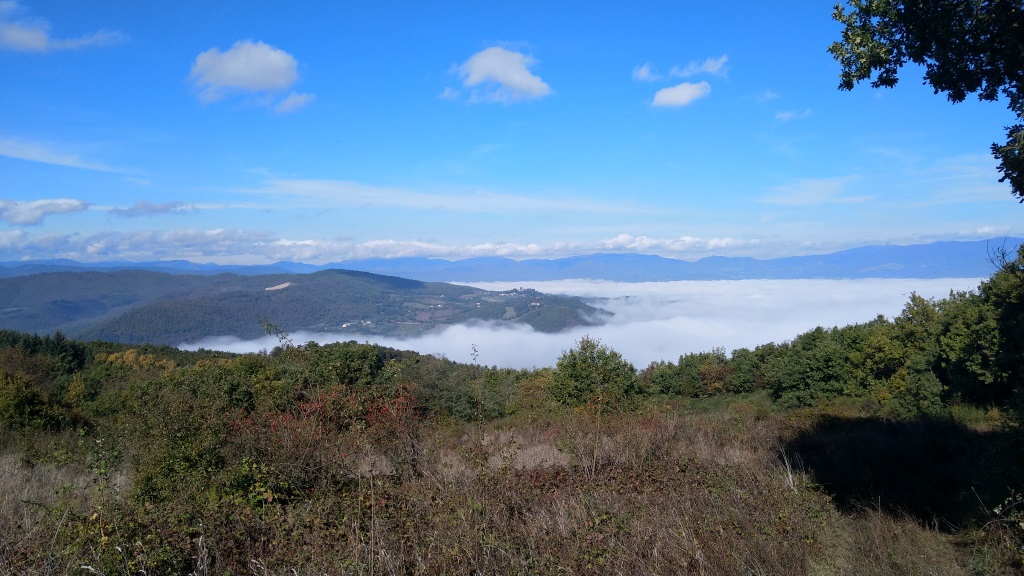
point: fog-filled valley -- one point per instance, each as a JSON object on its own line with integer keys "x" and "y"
{"x": 656, "y": 320}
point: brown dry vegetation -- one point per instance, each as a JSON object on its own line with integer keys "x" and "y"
{"x": 658, "y": 491}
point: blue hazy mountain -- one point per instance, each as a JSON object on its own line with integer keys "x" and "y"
{"x": 951, "y": 259}
{"x": 935, "y": 260}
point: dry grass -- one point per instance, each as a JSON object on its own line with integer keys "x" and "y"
{"x": 656, "y": 492}
{"x": 653, "y": 493}
{"x": 37, "y": 499}
{"x": 873, "y": 542}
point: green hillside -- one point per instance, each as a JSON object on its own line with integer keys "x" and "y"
{"x": 141, "y": 306}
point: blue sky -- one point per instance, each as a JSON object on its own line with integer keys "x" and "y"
{"x": 252, "y": 132}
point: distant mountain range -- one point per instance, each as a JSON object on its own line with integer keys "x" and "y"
{"x": 935, "y": 260}
{"x": 143, "y": 306}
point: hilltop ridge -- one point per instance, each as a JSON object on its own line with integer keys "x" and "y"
{"x": 136, "y": 306}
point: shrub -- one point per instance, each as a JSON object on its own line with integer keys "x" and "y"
{"x": 24, "y": 405}
{"x": 593, "y": 373}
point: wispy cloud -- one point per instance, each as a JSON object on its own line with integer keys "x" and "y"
{"x": 294, "y": 102}
{"x": 792, "y": 115}
{"x": 814, "y": 191}
{"x": 681, "y": 95}
{"x": 449, "y": 93}
{"x": 336, "y": 193}
{"x": 766, "y": 96}
{"x": 144, "y": 208}
{"x": 967, "y": 179}
{"x": 37, "y": 152}
{"x": 12, "y": 239}
{"x": 500, "y": 75}
{"x": 34, "y": 212}
{"x": 248, "y": 67}
{"x": 645, "y": 73}
{"x": 714, "y": 66}
{"x": 33, "y": 34}
{"x": 190, "y": 244}
{"x": 942, "y": 180}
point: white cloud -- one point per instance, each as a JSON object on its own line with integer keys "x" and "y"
{"x": 988, "y": 231}
{"x": 814, "y": 191}
{"x": 293, "y": 102}
{"x": 247, "y": 67}
{"x": 502, "y": 75}
{"x": 715, "y": 66}
{"x": 247, "y": 246}
{"x": 683, "y": 244}
{"x": 681, "y": 95}
{"x": 189, "y": 244}
{"x": 238, "y": 246}
{"x": 645, "y": 74}
{"x": 792, "y": 115}
{"x": 323, "y": 251}
{"x": 660, "y": 320}
{"x": 33, "y": 35}
{"x": 35, "y": 152}
{"x": 33, "y": 212}
{"x": 766, "y": 96}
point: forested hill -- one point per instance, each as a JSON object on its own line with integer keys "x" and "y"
{"x": 135, "y": 306}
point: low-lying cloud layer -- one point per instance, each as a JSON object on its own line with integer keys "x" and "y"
{"x": 235, "y": 246}
{"x": 660, "y": 320}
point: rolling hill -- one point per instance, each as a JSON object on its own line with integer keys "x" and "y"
{"x": 135, "y": 306}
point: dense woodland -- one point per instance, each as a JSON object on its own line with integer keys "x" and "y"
{"x": 888, "y": 447}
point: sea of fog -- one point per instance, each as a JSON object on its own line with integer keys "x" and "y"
{"x": 656, "y": 320}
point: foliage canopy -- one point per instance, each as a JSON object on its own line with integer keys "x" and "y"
{"x": 965, "y": 46}
{"x": 593, "y": 373}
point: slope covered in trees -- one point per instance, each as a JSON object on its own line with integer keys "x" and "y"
{"x": 135, "y": 306}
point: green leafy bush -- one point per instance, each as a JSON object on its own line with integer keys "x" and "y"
{"x": 592, "y": 373}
